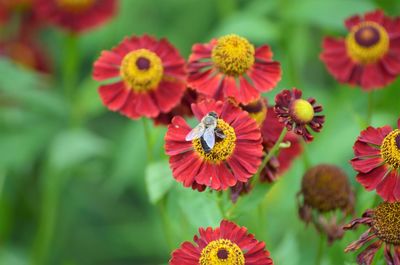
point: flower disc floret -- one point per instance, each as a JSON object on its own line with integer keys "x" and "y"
{"x": 233, "y": 55}
{"x": 367, "y": 42}
{"x": 222, "y": 252}
{"x": 142, "y": 70}
{"x": 390, "y": 149}
{"x": 75, "y": 6}
{"x": 222, "y": 149}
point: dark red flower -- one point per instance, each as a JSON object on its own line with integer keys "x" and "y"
{"x": 324, "y": 190}
{"x": 383, "y": 231}
{"x": 277, "y": 165}
{"x": 370, "y": 54}
{"x": 377, "y": 160}
{"x": 297, "y": 113}
{"x": 182, "y": 109}
{"x": 235, "y": 156}
{"x": 26, "y": 53}
{"x": 76, "y": 16}
{"x": 147, "y": 77}
{"x": 227, "y": 244}
{"x": 231, "y": 67}
{"x": 21, "y": 13}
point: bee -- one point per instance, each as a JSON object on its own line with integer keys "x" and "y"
{"x": 207, "y": 131}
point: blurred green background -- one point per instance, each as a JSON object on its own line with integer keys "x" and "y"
{"x": 73, "y": 175}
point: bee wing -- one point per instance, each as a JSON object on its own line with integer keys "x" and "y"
{"x": 196, "y": 133}
{"x": 209, "y": 137}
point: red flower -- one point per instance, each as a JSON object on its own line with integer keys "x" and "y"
{"x": 183, "y": 108}
{"x": 226, "y": 244}
{"x": 148, "y": 77}
{"x": 76, "y": 16}
{"x": 235, "y": 156}
{"x": 26, "y": 53}
{"x": 297, "y": 113}
{"x": 370, "y": 54}
{"x": 271, "y": 129}
{"x": 383, "y": 231}
{"x": 231, "y": 67}
{"x": 377, "y": 160}
{"x": 24, "y": 12}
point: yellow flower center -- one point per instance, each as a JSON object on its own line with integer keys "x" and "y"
{"x": 222, "y": 149}
{"x": 367, "y": 42}
{"x": 301, "y": 111}
{"x": 222, "y": 252}
{"x": 142, "y": 70}
{"x": 386, "y": 222}
{"x": 75, "y": 6}
{"x": 390, "y": 149}
{"x": 233, "y": 55}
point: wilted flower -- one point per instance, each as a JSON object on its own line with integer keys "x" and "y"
{"x": 370, "y": 54}
{"x": 76, "y": 15}
{"x": 384, "y": 230}
{"x": 377, "y": 160}
{"x": 326, "y": 189}
{"x": 231, "y": 67}
{"x": 147, "y": 77}
{"x": 297, "y": 114}
{"x": 235, "y": 156}
{"x": 227, "y": 244}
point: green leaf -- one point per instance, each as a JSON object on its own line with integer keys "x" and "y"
{"x": 249, "y": 201}
{"x": 29, "y": 90}
{"x": 320, "y": 12}
{"x": 70, "y": 148}
{"x": 200, "y": 208}
{"x": 158, "y": 180}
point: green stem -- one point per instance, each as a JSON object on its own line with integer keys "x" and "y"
{"x": 370, "y": 107}
{"x": 2, "y": 181}
{"x": 70, "y": 66}
{"x": 162, "y": 207}
{"x": 320, "y": 252}
{"x": 272, "y": 152}
{"x": 149, "y": 141}
{"x": 51, "y": 186}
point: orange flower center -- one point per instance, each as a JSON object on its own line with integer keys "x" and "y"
{"x": 386, "y": 222}
{"x": 222, "y": 149}
{"x": 367, "y": 42}
{"x": 75, "y": 6}
{"x": 142, "y": 70}
{"x": 233, "y": 55}
{"x": 390, "y": 149}
{"x": 222, "y": 252}
{"x": 301, "y": 111}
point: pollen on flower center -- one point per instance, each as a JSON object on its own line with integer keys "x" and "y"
{"x": 222, "y": 149}
{"x": 75, "y": 6}
{"x": 386, "y": 222}
{"x": 301, "y": 111}
{"x": 390, "y": 149}
{"x": 233, "y": 55}
{"x": 222, "y": 252}
{"x": 367, "y": 42}
{"x": 142, "y": 70}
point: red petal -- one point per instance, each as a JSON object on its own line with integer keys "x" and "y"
{"x": 366, "y": 165}
{"x": 371, "y": 179}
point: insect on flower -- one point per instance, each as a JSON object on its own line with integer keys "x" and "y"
{"x": 206, "y": 130}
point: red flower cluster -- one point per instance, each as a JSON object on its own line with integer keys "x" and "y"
{"x": 369, "y": 56}
{"x": 377, "y": 161}
{"x": 76, "y": 16}
{"x": 226, "y": 244}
